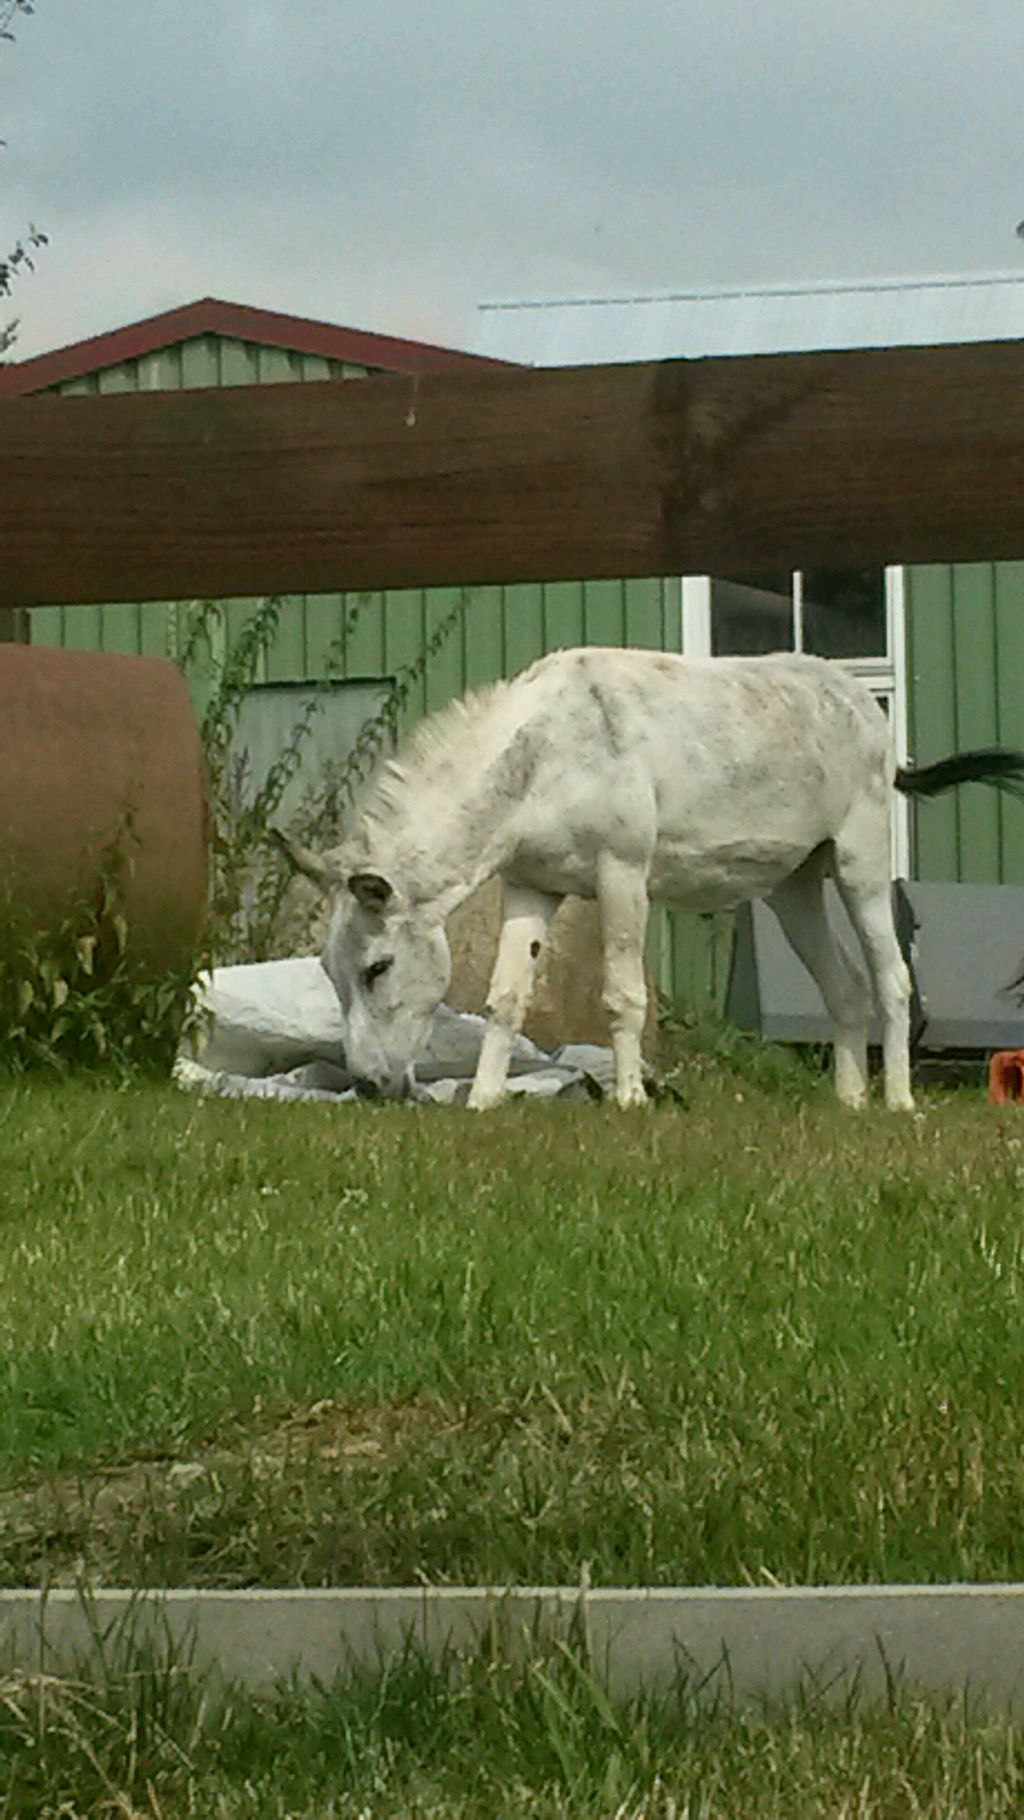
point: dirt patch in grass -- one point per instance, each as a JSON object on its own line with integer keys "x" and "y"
{"x": 145, "y": 1520}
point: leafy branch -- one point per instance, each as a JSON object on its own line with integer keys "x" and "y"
{"x": 19, "y": 259}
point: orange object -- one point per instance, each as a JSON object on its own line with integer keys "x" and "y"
{"x": 86, "y": 740}
{"x": 1006, "y": 1076}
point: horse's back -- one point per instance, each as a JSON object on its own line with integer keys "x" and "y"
{"x": 724, "y": 773}
{"x": 784, "y": 711}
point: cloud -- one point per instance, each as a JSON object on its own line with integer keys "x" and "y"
{"x": 391, "y": 162}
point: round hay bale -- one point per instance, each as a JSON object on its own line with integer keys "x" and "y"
{"x": 566, "y": 1005}
{"x": 101, "y": 772}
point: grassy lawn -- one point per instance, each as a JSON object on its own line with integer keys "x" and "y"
{"x": 745, "y": 1340}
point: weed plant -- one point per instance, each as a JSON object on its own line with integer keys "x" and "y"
{"x": 249, "y": 878}
{"x": 72, "y": 997}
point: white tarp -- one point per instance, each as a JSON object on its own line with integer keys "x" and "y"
{"x": 273, "y": 1030}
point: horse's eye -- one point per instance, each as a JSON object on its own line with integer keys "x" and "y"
{"x": 377, "y": 968}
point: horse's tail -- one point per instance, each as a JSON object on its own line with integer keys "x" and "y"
{"x": 998, "y": 765}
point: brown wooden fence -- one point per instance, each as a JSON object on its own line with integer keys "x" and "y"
{"x": 669, "y": 468}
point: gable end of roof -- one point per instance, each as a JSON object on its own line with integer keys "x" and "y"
{"x": 241, "y": 322}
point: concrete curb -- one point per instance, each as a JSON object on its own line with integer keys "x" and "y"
{"x": 741, "y": 1645}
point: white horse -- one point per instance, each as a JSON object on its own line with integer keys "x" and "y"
{"x": 623, "y": 775}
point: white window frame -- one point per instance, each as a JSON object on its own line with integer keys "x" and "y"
{"x": 885, "y": 676}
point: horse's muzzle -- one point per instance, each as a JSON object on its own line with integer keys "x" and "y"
{"x": 398, "y": 1087}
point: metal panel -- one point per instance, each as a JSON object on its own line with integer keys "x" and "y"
{"x": 643, "y": 616}
{"x": 604, "y": 613}
{"x": 46, "y": 626}
{"x": 974, "y": 668}
{"x": 688, "y": 956}
{"x": 276, "y": 366}
{"x": 158, "y": 630}
{"x": 122, "y": 378}
{"x": 270, "y": 716}
{"x": 364, "y": 639}
{"x": 286, "y": 657}
{"x": 932, "y": 713}
{"x": 402, "y": 620}
{"x": 322, "y": 629}
{"x": 968, "y": 947}
{"x": 775, "y": 319}
{"x": 84, "y": 387}
{"x": 523, "y": 612}
{"x": 156, "y": 372}
{"x": 965, "y": 630}
{"x": 483, "y": 636}
{"x": 565, "y": 613}
{"x": 1009, "y": 689}
{"x": 120, "y": 628}
{"x": 446, "y": 676}
{"x": 200, "y": 361}
{"x": 239, "y": 362}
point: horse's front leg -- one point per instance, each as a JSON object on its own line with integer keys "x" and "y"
{"x": 525, "y": 918}
{"x": 622, "y": 901}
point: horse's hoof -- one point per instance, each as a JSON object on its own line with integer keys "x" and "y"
{"x": 484, "y": 1102}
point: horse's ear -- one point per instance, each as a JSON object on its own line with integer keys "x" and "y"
{"x": 303, "y": 859}
{"x": 371, "y": 890}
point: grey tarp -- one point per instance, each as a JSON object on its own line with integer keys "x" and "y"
{"x": 274, "y": 1030}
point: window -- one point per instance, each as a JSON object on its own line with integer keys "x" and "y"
{"x": 843, "y": 612}
{"x": 830, "y": 612}
{"x": 752, "y": 616}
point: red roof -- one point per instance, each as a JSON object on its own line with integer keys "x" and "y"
{"x": 211, "y": 316}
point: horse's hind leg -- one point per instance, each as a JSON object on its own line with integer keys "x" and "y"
{"x": 622, "y": 902}
{"x": 862, "y": 875}
{"x": 526, "y": 915}
{"x": 799, "y": 904}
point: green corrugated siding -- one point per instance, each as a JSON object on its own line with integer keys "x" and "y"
{"x": 210, "y": 360}
{"x": 502, "y": 629}
{"x": 965, "y": 662}
{"x": 689, "y": 956}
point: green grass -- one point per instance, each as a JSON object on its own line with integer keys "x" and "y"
{"x": 487, "y": 1738}
{"x": 750, "y": 1339}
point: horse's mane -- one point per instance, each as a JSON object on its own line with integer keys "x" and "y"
{"x": 431, "y": 748}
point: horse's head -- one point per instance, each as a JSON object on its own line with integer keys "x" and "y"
{"x": 389, "y": 963}
{"x": 390, "y": 966}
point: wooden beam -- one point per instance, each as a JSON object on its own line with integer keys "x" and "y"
{"x": 908, "y": 455}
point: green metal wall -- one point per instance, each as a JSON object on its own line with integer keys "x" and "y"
{"x": 965, "y": 687}
{"x": 502, "y": 629}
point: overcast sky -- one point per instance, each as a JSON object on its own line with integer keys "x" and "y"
{"x": 390, "y": 163}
